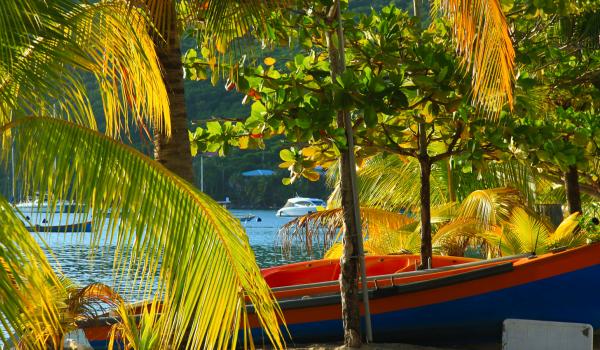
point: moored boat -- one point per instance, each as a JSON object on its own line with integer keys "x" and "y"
{"x": 74, "y": 227}
{"x": 458, "y": 299}
{"x": 299, "y": 206}
{"x": 42, "y": 206}
{"x": 245, "y": 217}
{"x": 456, "y": 303}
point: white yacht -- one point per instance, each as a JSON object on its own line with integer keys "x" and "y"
{"x": 300, "y": 206}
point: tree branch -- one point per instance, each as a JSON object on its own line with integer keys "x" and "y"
{"x": 451, "y": 150}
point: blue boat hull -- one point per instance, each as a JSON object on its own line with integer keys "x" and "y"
{"x": 571, "y": 297}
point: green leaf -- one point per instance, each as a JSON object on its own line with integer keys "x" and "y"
{"x": 370, "y": 116}
{"x": 287, "y": 155}
{"x": 214, "y": 128}
{"x": 304, "y": 122}
{"x": 423, "y": 82}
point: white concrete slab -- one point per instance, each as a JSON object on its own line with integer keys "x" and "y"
{"x": 545, "y": 335}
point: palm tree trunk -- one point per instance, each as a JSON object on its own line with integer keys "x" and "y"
{"x": 174, "y": 153}
{"x": 425, "y": 163}
{"x": 572, "y": 190}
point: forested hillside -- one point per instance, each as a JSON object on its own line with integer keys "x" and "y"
{"x": 222, "y": 176}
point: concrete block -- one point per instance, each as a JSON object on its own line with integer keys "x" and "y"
{"x": 545, "y": 335}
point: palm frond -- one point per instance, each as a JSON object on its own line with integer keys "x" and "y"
{"x": 394, "y": 242}
{"x": 391, "y": 183}
{"x": 566, "y": 234}
{"x": 391, "y": 242}
{"x": 206, "y": 262}
{"x": 324, "y": 228}
{"x": 483, "y": 41}
{"x": 89, "y": 302}
{"x": 490, "y": 207}
{"x": 514, "y": 175}
{"x": 29, "y": 314}
{"x": 529, "y": 234}
{"x": 456, "y": 236}
{"x": 220, "y": 21}
{"x": 136, "y": 334}
{"x": 583, "y": 28}
{"x": 43, "y": 62}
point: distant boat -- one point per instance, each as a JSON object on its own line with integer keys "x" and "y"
{"x": 245, "y": 217}
{"x": 299, "y": 206}
{"x": 225, "y": 203}
{"x": 67, "y": 228}
{"x": 42, "y": 206}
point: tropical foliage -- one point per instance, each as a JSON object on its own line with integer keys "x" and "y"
{"x": 47, "y": 46}
{"x": 174, "y": 245}
{"x": 154, "y": 217}
{"x": 414, "y": 110}
{"x": 489, "y": 223}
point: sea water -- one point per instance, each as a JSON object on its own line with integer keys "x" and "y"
{"x": 72, "y": 253}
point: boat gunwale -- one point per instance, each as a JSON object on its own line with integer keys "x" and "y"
{"x": 405, "y": 274}
{"x": 411, "y": 287}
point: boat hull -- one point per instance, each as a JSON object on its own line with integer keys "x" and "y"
{"x": 567, "y": 297}
{"x": 460, "y": 306}
{"x": 294, "y": 212}
{"x": 451, "y": 305}
{"x": 77, "y": 227}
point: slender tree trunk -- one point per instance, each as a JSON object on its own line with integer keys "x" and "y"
{"x": 572, "y": 190}
{"x": 349, "y": 262}
{"x": 174, "y": 153}
{"x": 451, "y": 189}
{"x": 425, "y": 163}
{"x": 425, "y": 191}
{"x": 352, "y": 239}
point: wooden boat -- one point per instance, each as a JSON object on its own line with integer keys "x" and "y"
{"x": 456, "y": 300}
{"x": 76, "y": 227}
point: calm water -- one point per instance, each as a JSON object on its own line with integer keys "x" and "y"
{"x": 78, "y": 262}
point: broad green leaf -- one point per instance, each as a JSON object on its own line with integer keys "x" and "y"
{"x": 287, "y": 155}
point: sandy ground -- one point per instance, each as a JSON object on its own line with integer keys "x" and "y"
{"x": 370, "y": 347}
{"x": 397, "y": 346}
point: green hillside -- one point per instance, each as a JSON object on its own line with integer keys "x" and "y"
{"x": 222, "y": 176}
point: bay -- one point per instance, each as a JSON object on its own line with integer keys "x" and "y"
{"x": 71, "y": 253}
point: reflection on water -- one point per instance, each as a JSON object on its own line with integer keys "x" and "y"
{"x": 84, "y": 266}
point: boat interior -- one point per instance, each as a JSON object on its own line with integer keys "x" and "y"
{"x": 329, "y": 269}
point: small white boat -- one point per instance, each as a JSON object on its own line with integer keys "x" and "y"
{"x": 245, "y": 217}
{"x": 42, "y": 206}
{"x": 300, "y": 206}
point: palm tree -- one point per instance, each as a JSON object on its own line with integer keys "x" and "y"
{"x": 207, "y": 268}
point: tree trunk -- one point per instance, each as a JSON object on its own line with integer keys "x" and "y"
{"x": 174, "y": 153}
{"x": 352, "y": 239}
{"x": 425, "y": 163}
{"x": 349, "y": 262}
{"x": 552, "y": 212}
{"x": 572, "y": 190}
{"x": 451, "y": 189}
